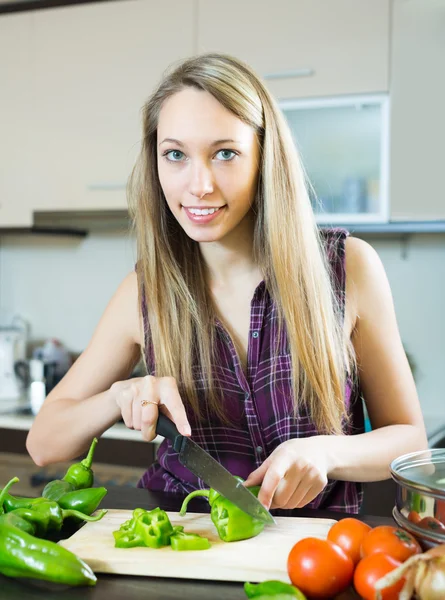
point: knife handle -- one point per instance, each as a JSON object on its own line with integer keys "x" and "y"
{"x": 168, "y": 429}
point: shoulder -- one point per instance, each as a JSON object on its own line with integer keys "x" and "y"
{"x": 362, "y": 261}
{"x": 366, "y": 281}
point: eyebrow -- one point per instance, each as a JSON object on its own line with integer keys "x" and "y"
{"x": 215, "y": 143}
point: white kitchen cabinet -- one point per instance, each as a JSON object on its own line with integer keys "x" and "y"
{"x": 95, "y": 65}
{"x": 304, "y": 48}
{"x": 15, "y": 112}
{"x": 343, "y": 142}
{"x": 417, "y": 187}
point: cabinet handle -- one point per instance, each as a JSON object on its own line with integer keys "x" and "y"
{"x": 290, "y": 74}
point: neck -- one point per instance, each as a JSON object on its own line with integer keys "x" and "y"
{"x": 231, "y": 259}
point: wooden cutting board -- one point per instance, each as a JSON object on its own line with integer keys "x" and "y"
{"x": 257, "y": 559}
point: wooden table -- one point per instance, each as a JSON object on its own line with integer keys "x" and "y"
{"x": 112, "y": 587}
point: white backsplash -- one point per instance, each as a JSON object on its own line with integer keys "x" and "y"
{"x": 62, "y": 285}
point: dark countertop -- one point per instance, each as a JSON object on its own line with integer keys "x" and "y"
{"x": 114, "y": 587}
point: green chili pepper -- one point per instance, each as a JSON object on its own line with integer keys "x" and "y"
{"x": 22, "y": 555}
{"x": 231, "y": 522}
{"x": 146, "y": 528}
{"x": 276, "y": 590}
{"x": 85, "y": 501}
{"x": 44, "y": 517}
{"x": 77, "y": 477}
{"x": 188, "y": 541}
{"x": 4, "y": 493}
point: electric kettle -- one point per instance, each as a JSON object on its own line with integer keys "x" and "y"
{"x": 12, "y": 350}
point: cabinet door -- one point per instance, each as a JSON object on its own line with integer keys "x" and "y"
{"x": 417, "y": 188}
{"x": 303, "y": 47}
{"x": 15, "y": 112}
{"x": 95, "y": 66}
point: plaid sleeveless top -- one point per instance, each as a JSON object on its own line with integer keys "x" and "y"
{"x": 258, "y": 401}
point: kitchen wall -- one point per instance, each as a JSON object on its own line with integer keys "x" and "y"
{"x": 62, "y": 286}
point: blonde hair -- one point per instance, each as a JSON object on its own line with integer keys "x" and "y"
{"x": 289, "y": 252}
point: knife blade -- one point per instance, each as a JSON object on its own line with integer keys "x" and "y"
{"x": 204, "y": 466}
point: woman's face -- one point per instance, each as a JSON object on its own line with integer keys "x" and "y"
{"x": 207, "y": 164}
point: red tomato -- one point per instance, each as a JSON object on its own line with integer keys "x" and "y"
{"x": 372, "y": 568}
{"x": 319, "y": 568}
{"x": 392, "y": 541}
{"x": 349, "y": 534}
{"x": 431, "y": 524}
{"x": 414, "y": 516}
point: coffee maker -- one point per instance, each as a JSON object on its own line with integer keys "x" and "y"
{"x": 12, "y": 351}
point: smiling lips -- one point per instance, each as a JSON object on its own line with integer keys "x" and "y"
{"x": 202, "y": 215}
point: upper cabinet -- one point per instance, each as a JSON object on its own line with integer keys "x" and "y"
{"x": 303, "y": 48}
{"x": 15, "y": 120}
{"x": 417, "y": 185}
{"x": 95, "y": 65}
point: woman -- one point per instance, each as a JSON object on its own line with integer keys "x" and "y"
{"x": 259, "y": 334}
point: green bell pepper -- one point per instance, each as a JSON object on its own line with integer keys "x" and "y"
{"x": 22, "y": 555}
{"x": 273, "y": 590}
{"x": 79, "y": 476}
{"x": 232, "y": 523}
{"x": 146, "y": 528}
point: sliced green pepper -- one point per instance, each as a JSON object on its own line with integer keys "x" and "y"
{"x": 273, "y": 589}
{"x": 77, "y": 477}
{"x": 232, "y": 523}
{"x": 146, "y": 528}
{"x": 188, "y": 541}
{"x": 22, "y": 555}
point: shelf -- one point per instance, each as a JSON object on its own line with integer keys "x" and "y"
{"x": 395, "y": 227}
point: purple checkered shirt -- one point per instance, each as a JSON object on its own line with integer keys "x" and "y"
{"x": 259, "y": 402}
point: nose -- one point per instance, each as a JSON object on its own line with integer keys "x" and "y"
{"x": 201, "y": 180}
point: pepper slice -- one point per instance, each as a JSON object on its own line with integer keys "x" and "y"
{"x": 232, "y": 523}
{"x": 146, "y": 528}
{"x": 188, "y": 541}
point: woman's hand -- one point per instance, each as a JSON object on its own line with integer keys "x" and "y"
{"x": 139, "y": 400}
{"x": 293, "y": 475}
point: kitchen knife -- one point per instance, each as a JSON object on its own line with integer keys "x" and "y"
{"x": 204, "y": 466}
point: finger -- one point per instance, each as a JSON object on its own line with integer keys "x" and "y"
{"x": 316, "y": 488}
{"x": 149, "y": 412}
{"x": 284, "y": 491}
{"x": 296, "y": 495}
{"x": 125, "y": 404}
{"x": 272, "y": 478}
{"x": 310, "y": 486}
{"x": 257, "y": 476}
{"x": 149, "y": 418}
{"x": 171, "y": 400}
{"x": 136, "y": 414}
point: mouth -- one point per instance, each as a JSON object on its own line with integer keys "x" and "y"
{"x": 203, "y": 215}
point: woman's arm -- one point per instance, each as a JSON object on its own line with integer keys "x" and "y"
{"x": 385, "y": 376}
{"x": 82, "y": 406}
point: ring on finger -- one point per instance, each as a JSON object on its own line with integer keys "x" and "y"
{"x": 145, "y": 402}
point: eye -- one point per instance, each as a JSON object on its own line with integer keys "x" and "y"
{"x": 226, "y": 155}
{"x": 174, "y": 155}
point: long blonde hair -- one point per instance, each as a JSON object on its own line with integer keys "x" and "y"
{"x": 289, "y": 252}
